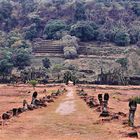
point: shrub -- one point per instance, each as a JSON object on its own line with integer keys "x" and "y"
{"x": 83, "y": 30}
{"x": 70, "y": 52}
{"x": 31, "y": 32}
{"x": 79, "y": 11}
{"x": 21, "y": 58}
{"x": 136, "y": 9}
{"x": 123, "y": 62}
{"x": 46, "y": 62}
{"x": 33, "y": 83}
{"x": 53, "y": 27}
{"x": 122, "y": 38}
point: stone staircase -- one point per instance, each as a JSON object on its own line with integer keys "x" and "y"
{"x": 47, "y": 46}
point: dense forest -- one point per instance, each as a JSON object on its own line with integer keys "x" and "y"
{"x": 102, "y": 21}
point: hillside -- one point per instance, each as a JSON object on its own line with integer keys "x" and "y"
{"x": 85, "y": 37}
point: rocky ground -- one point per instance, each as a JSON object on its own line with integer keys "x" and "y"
{"x": 68, "y": 117}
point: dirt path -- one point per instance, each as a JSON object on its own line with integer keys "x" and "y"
{"x": 68, "y": 104}
{"x": 68, "y": 118}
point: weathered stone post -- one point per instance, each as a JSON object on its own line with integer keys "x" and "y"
{"x": 34, "y": 96}
{"x": 132, "y": 110}
{"x": 100, "y": 99}
{"x": 105, "y": 112}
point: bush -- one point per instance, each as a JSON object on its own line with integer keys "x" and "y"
{"x": 123, "y": 62}
{"x": 21, "y": 44}
{"x": 136, "y": 9}
{"x": 122, "y": 39}
{"x": 70, "y": 41}
{"x": 83, "y": 30}
{"x": 70, "y": 52}
{"x": 21, "y": 58}
{"x": 80, "y": 11}
{"x": 31, "y": 32}
{"x": 46, "y": 62}
{"x": 33, "y": 83}
{"x": 12, "y": 37}
{"x": 53, "y": 28}
{"x": 5, "y": 66}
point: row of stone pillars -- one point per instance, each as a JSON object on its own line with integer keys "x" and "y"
{"x": 104, "y": 108}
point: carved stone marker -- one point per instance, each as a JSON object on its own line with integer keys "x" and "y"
{"x": 132, "y": 110}
{"x": 100, "y": 99}
{"x": 105, "y": 112}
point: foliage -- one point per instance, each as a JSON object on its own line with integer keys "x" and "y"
{"x": 122, "y": 38}
{"x": 31, "y": 32}
{"x": 5, "y": 10}
{"x": 5, "y": 67}
{"x": 83, "y": 30}
{"x": 28, "y": 6}
{"x": 21, "y": 44}
{"x": 33, "y": 83}
{"x": 2, "y": 38}
{"x": 79, "y": 11}
{"x": 136, "y": 9}
{"x": 123, "y": 62}
{"x": 70, "y": 41}
{"x": 46, "y": 62}
{"x": 53, "y": 27}
{"x": 21, "y": 58}
{"x": 69, "y": 76}
{"x": 12, "y": 37}
{"x": 70, "y": 52}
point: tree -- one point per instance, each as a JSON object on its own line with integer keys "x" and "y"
{"x": 2, "y": 38}
{"x": 21, "y": 44}
{"x": 136, "y": 9}
{"x": 12, "y": 37}
{"x": 122, "y": 38}
{"x": 134, "y": 32}
{"x": 31, "y": 32}
{"x": 56, "y": 70}
{"x": 21, "y": 58}
{"x": 27, "y": 6}
{"x": 67, "y": 77}
{"x": 33, "y": 83}
{"x": 46, "y": 62}
{"x": 70, "y": 52}
{"x": 53, "y": 27}
{"x": 123, "y": 62}
{"x": 5, "y": 9}
{"x": 79, "y": 11}
{"x": 71, "y": 46}
{"x": 83, "y": 30}
{"x": 5, "y": 67}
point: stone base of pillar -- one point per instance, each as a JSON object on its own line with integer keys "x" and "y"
{"x": 104, "y": 114}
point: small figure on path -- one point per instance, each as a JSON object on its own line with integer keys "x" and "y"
{"x": 132, "y": 110}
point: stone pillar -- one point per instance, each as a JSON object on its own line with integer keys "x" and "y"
{"x": 105, "y": 112}
{"x": 100, "y": 99}
{"x": 34, "y": 96}
{"x": 132, "y": 110}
